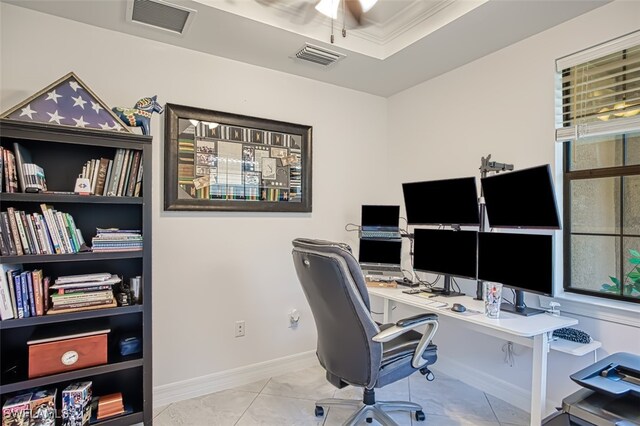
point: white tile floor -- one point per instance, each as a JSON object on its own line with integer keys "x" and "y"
{"x": 289, "y": 400}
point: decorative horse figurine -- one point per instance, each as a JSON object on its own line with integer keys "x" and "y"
{"x": 140, "y": 114}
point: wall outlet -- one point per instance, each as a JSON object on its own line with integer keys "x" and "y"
{"x": 239, "y": 328}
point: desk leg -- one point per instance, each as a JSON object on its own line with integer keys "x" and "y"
{"x": 539, "y": 379}
{"x": 386, "y": 310}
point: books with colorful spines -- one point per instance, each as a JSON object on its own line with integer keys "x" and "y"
{"x": 61, "y": 299}
{"x": 9, "y": 271}
{"x": 28, "y": 220}
{"x": 16, "y": 411}
{"x": 34, "y": 178}
{"x": 23, "y": 292}
{"x": 43, "y": 407}
{"x": 115, "y": 172}
{"x": 24, "y": 239}
{"x": 52, "y": 228}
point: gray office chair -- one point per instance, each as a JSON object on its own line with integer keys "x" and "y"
{"x": 352, "y": 347}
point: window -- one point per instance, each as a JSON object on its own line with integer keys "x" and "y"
{"x": 599, "y": 124}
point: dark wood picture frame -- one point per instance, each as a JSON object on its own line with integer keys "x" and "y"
{"x": 229, "y": 162}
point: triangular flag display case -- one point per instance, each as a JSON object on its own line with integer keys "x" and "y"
{"x": 67, "y": 102}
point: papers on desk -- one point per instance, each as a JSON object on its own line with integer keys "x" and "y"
{"x": 430, "y": 302}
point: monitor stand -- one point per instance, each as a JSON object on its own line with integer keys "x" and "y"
{"x": 519, "y": 307}
{"x": 446, "y": 291}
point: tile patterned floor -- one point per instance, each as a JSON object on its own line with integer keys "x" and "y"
{"x": 289, "y": 400}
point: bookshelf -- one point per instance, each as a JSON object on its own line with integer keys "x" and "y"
{"x": 62, "y": 152}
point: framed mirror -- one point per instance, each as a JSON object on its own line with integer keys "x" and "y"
{"x": 222, "y": 161}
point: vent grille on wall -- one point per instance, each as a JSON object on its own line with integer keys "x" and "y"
{"x": 160, "y": 14}
{"x": 319, "y": 55}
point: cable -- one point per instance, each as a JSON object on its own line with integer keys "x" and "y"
{"x": 456, "y": 283}
{"x": 507, "y": 348}
{"x": 355, "y": 227}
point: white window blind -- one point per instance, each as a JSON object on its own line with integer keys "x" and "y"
{"x": 600, "y": 90}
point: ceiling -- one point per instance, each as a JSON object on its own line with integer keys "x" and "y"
{"x": 402, "y": 42}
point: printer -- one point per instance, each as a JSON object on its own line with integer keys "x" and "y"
{"x": 611, "y": 394}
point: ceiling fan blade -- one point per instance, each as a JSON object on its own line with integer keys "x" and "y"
{"x": 355, "y": 9}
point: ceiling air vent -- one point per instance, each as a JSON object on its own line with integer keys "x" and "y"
{"x": 318, "y": 55}
{"x": 160, "y": 14}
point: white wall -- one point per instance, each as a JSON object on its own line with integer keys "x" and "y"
{"x": 211, "y": 269}
{"x": 502, "y": 104}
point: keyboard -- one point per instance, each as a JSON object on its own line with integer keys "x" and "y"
{"x": 380, "y": 234}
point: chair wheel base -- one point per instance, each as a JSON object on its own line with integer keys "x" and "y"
{"x": 420, "y": 416}
{"x": 319, "y": 411}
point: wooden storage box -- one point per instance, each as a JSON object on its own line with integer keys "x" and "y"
{"x": 67, "y": 353}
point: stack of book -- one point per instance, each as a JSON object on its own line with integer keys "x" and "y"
{"x": 114, "y": 239}
{"x": 18, "y": 171}
{"x": 52, "y": 232}
{"x": 75, "y": 293}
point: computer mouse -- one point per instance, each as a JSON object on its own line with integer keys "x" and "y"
{"x": 457, "y": 307}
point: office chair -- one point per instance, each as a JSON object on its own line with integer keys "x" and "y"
{"x": 352, "y": 348}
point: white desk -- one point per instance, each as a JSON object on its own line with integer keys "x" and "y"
{"x": 533, "y": 332}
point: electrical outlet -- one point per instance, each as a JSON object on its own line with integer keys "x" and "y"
{"x": 239, "y": 328}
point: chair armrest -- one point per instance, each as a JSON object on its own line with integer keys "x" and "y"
{"x": 406, "y": 324}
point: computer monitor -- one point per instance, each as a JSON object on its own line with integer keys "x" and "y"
{"x": 380, "y": 222}
{"x": 447, "y": 252}
{"x": 523, "y": 262}
{"x": 442, "y": 202}
{"x": 521, "y": 199}
{"x": 380, "y": 216}
{"x": 380, "y": 257}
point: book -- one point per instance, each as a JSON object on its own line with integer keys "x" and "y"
{"x": 108, "y": 178}
{"x": 32, "y": 232}
{"x": 14, "y": 230}
{"x": 7, "y": 310}
{"x": 16, "y": 411}
{"x": 123, "y": 171}
{"x": 22, "y": 156}
{"x": 102, "y": 175}
{"x": 28, "y": 277}
{"x": 1, "y": 169}
{"x": 38, "y": 291}
{"x": 51, "y": 228}
{"x": 88, "y": 289}
{"x": 21, "y": 231}
{"x": 43, "y": 407}
{"x": 133, "y": 173}
{"x": 11, "y": 175}
{"x": 6, "y": 230}
{"x": 82, "y": 278}
{"x": 18, "y": 290}
{"x": 138, "y": 186}
{"x": 64, "y": 235}
{"x": 34, "y": 178}
{"x": 45, "y": 298}
{"x": 12, "y": 288}
{"x": 115, "y": 174}
{"x": 76, "y": 404}
{"x": 80, "y": 309}
{"x": 4, "y": 244}
{"x": 94, "y": 175}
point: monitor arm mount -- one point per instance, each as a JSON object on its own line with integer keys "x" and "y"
{"x": 487, "y": 166}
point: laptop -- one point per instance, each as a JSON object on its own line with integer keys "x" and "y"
{"x": 380, "y": 222}
{"x": 380, "y": 259}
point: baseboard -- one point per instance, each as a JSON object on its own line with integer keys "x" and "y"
{"x": 485, "y": 382}
{"x": 191, "y": 388}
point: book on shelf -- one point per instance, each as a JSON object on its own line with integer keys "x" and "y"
{"x": 30, "y": 175}
{"x": 7, "y": 233}
{"x": 14, "y": 231}
{"x": 16, "y": 411}
{"x": 114, "y": 239}
{"x": 8, "y": 308}
{"x": 10, "y": 173}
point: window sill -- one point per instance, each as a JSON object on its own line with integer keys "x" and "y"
{"x": 625, "y": 313}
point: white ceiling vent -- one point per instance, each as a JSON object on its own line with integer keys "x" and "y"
{"x": 318, "y": 55}
{"x": 160, "y": 14}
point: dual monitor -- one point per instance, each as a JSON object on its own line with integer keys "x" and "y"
{"x": 518, "y": 199}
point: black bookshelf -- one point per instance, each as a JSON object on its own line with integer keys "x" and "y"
{"x": 61, "y": 152}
